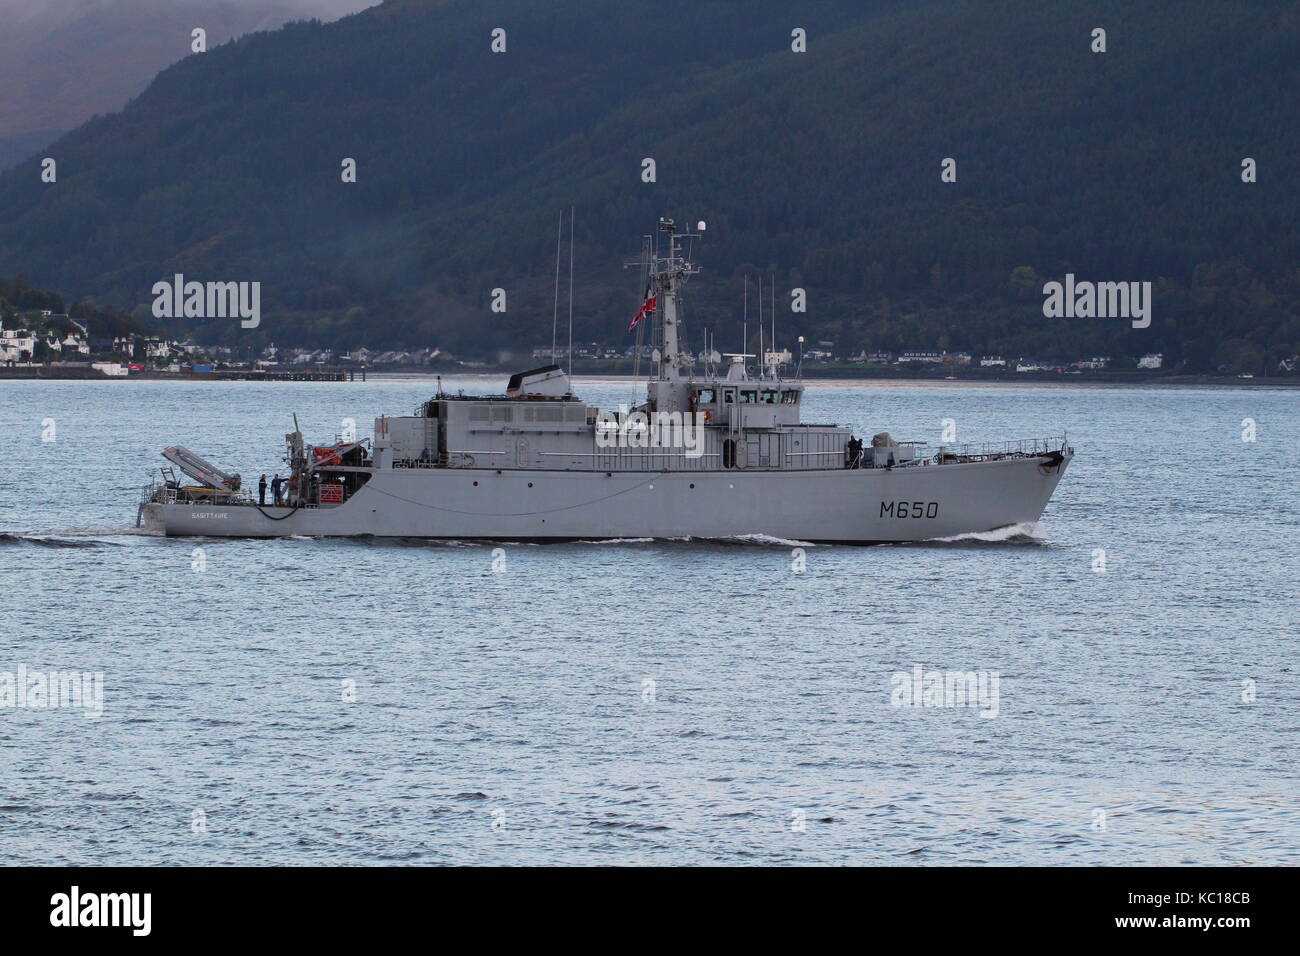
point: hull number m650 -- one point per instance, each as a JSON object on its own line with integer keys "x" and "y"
{"x": 909, "y": 509}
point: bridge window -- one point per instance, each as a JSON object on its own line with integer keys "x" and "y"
{"x": 790, "y": 398}
{"x": 706, "y": 396}
{"x": 769, "y": 397}
{"x": 747, "y": 397}
{"x": 729, "y": 396}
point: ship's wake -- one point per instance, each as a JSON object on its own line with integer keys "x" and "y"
{"x": 615, "y": 541}
{"x": 764, "y": 540}
{"x": 69, "y": 537}
{"x": 1026, "y": 532}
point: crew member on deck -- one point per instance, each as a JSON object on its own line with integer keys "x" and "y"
{"x": 261, "y": 491}
{"x": 854, "y": 453}
{"x": 277, "y": 488}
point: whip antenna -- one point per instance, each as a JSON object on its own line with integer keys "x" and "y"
{"x": 555, "y": 313}
{"x": 570, "y": 297}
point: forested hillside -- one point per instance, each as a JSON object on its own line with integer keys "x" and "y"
{"x": 18, "y": 298}
{"x": 820, "y": 167}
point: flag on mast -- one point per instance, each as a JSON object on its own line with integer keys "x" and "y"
{"x": 647, "y": 307}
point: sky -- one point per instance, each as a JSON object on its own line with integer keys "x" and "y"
{"x": 63, "y": 61}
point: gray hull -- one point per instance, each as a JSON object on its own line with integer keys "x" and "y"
{"x": 841, "y": 505}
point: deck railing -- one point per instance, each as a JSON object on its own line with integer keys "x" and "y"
{"x": 989, "y": 451}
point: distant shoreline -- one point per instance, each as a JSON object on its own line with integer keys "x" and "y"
{"x": 839, "y": 374}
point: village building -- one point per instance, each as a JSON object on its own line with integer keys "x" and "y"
{"x": 920, "y": 356}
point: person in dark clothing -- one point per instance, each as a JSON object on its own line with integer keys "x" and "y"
{"x": 261, "y": 491}
{"x": 854, "y": 453}
{"x": 277, "y": 484}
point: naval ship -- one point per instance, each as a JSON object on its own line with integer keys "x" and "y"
{"x": 718, "y": 453}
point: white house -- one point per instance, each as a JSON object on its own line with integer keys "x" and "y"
{"x": 990, "y": 361}
{"x": 920, "y": 355}
{"x": 16, "y": 345}
{"x": 1095, "y": 362}
{"x": 1152, "y": 360}
{"x": 782, "y": 357}
{"x": 155, "y": 348}
{"x": 75, "y": 343}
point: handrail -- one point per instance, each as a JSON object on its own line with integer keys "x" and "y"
{"x": 1017, "y": 446}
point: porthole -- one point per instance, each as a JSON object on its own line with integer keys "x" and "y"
{"x": 692, "y": 484}
{"x": 530, "y": 484}
{"x": 476, "y": 484}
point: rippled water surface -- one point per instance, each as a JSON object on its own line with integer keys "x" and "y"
{"x": 672, "y": 702}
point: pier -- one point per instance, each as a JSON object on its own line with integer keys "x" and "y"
{"x": 285, "y": 375}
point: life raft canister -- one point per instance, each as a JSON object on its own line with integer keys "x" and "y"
{"x": 326, "y": 454}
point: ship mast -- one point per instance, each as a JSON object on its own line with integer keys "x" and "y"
{"x": 668, "y": 274}
{"x": 667, "y": 269}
